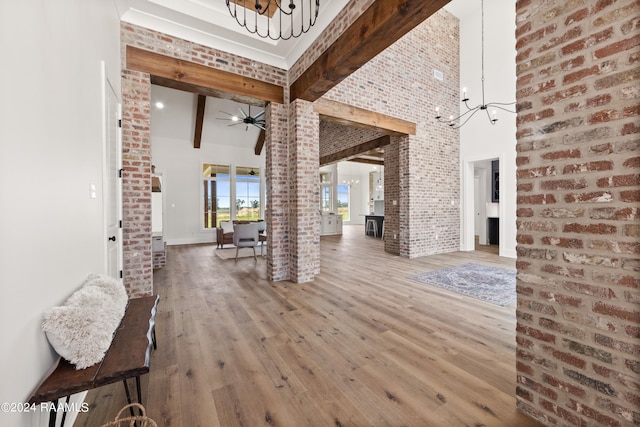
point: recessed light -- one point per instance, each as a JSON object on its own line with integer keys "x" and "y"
{"x": 159, "y": 105}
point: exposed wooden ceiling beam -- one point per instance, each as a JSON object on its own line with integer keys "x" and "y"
{"x": 206, "y": 91}
{"x": 260, "y": 142}
{"x": 381, "y": 25}
{"x": 354, "y": 151}
{"x": 367, "y": 161}
{"x": 344, "y": 114}
{"x": 190, "y": 74}
{"x": 197, "y": 136}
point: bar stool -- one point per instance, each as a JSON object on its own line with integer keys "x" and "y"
{"x": 373, "y": 225}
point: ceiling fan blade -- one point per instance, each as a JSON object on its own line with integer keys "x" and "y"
{"x": 242, "y": 112}
{"x": 228, "y": 114}
{"x": 260, "y": 114}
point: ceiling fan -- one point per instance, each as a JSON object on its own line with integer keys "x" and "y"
{"x": 245, "y": 118}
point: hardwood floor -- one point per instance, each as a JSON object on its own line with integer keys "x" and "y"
{"x": 494, "y": 249}
{"x": 362, "y": 345}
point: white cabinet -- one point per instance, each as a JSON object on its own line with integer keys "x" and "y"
{"x": 330, "y": 224}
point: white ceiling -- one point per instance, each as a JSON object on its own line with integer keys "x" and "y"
{"x": 176, "y": 120}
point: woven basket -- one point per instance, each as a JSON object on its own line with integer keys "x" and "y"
{"x": 140, "y": 420}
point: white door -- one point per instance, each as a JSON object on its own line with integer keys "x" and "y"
{"x": 112, "y": 180}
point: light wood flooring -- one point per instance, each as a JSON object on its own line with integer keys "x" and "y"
{"x": 362, "y": 345}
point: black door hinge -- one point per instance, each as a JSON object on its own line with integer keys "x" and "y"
{"x": 120, "y": 172}
{"x": 120, "y": 223}
{"x": 121, "y": 274}
{"x": 119, "y": 123}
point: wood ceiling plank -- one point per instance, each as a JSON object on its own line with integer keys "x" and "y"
{"x": 356, "y": 150}
{"x": 192, "y": 74}
{"x": 197, "y": 136}
{"x": 381, "y": 25}
{"x": 344, "y": 114}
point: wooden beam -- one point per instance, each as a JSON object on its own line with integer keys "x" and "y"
{"x": 192, "y": 74}
{"x": 381, "y": 25}
{"x": 344, "y": 114}
{"x": 367, "y": 161}
{"x": 197, "y": 137}
{"x": 354, "y": 151}
{"x": 206, "y": 91}
{"x": 260, "y": 142}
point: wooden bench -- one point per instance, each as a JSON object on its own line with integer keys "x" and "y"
{"x": 127, "y": 357}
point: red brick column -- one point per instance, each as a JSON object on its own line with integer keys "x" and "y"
{"x": 578, "y": 223}
{"x": 277, "y": 173}
{"x": 304, "y": 191}
{"x": 391, "y": 193}
{"x": 136, "y": 184}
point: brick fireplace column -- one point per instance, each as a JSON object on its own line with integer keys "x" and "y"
{"x": 304, "y": 191}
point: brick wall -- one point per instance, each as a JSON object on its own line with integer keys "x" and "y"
{"x": 391, "y": 193}
{"x": 304, "y": 191}
{"x": 578, "y": 316}
{"x": 399, "y": 82}
{"x": 277, "y": 173}
{"x": 335, "y": 137}
{"x": 136, "y": 184}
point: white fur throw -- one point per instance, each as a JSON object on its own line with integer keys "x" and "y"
{"x": 82, "y": 328}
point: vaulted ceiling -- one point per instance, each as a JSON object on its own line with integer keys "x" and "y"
{"x": 208, "y": 22}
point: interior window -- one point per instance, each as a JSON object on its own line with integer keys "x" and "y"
{"x": 343, "y": 201}
{"x": 247, "y": 195}
{"x": 325, "y": 192}
{"x": 217, "y": 194}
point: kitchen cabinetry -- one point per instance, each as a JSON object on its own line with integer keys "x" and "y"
{"x": 330, "y": 224}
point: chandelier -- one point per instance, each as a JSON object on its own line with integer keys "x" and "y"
{"x": 288, "y": 20}
{"x": 462, "y": 119}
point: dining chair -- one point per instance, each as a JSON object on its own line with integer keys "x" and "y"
{"x": 245, "y": 236}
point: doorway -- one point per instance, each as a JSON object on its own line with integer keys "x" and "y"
{"x": 481, "y": 214}
{"x": 112, "y": 149}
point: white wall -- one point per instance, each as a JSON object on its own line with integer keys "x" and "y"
{"x": 478, "y": 138}
{"x": 180, "y": 164}
{"x": 51, "y": 232}
{"x": 348, "y": 171}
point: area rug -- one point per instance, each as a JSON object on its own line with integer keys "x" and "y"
{"x": 229, "y": 252}
{"x": 491, "y": 284}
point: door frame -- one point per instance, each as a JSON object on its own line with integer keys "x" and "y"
{"x": 111, "y": 126}
{"x": 467, "y": 213}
